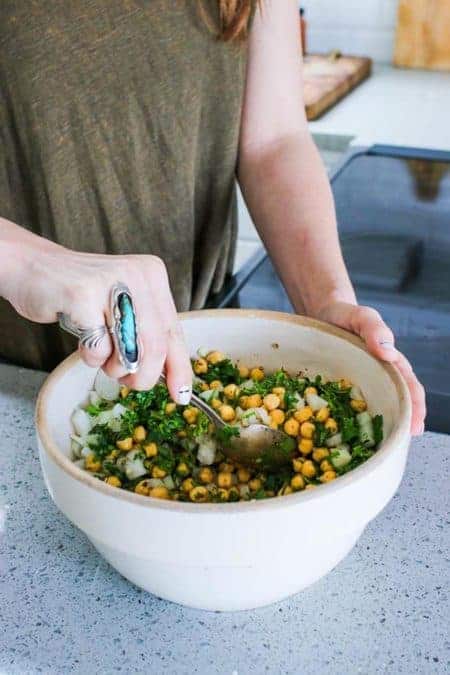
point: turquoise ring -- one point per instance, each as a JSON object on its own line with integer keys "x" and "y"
{"x": 124, "y": 327}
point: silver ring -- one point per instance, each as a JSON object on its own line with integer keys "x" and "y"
{"x": 88, "y": 337}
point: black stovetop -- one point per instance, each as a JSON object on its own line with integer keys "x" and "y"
{"x": 393, "y": 208}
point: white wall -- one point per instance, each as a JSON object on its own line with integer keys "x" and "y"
{"x": 360, "y": 27}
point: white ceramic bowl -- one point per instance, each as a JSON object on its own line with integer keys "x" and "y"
{"x": 242, "y": 555}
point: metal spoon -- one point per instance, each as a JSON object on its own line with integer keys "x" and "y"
{"x": 256, "y": 446}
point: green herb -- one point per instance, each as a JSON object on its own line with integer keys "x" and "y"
{"x": 320, "y": 435}
{"x": 349, "y": 429}
{"x": 224, "y": 371}
{"x": 226, "y": 433}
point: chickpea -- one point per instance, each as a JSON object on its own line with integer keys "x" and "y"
{"x": 327, "y": 476}
{"x": 307, "y": 429}
{"x": 325, "y": 465}
{"x": 157, "y": 472}
{"x": 170, "y": 408}
{"x": 114, "y": 481}
{"x": 125, "y": 444}
{"x": 244, "y": 372}
{"x": 305, "y": 446}
{"x": 226, "y": 467}
{"x": 200, "y": 366}
{"x": 215, "y": 357}
{"x": 297, "y": 464}
{"x": 243, "y": 475}
{"x": 231, "y": 391}
{"x": 277, "y": 416}
{"x": 216, "y": 403}
{"x": 308, "y": 469}
{"x": 223, "y": 494}
{"x": 345, "y": 384}
{"x": 243, "y": 401}
{"x": 190, "y": 415}
{"x": 227, "y": 413}
{"x": 216, "y": 384}
{"x": 310, "y": 390}
{"x": 199, "y": 494}
{"x": 297, "y": 482}
{"x": 331, "y": 425}
{"x": 183, "y": 470}
{"x": 124, "y": 391}
{"x": 139, "y": 434}
{"x": 142, "y": 488}
{"x": 291, "y": 427}
{"x": 257, "y": 374}
{"x": 281, "y": 393}
{"x": 288, "y": 490}
{"x": 304, "y": 414}
{"x": 323, "y": 414}
{"x": 224, "y": 479}
{"x": 151, "y": 449}
{"x": 358, "y": 405}
{"x": 271, "y": 402}
{"x": 187, "y": 485}
{"x": 320, "y": 454}
{"x": 253, "y": 401}
{"x": 255, "y": 484}
{"x": 160, "y": 492}
{"x": 310, "y": 486}
{"x": 206, "y": 475}
{"x": 92, "y": 464}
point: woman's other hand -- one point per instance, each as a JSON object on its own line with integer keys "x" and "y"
{"x": 368, "y": 324}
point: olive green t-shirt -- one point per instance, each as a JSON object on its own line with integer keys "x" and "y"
{"x": 119, "y": 125}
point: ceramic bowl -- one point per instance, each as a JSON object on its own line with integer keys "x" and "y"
{"x": 242, "y": 555}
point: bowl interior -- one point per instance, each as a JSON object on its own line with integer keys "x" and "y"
{"x": 253, "y": 338}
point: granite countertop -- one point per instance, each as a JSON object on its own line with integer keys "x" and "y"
{"x": 63, "y": 610}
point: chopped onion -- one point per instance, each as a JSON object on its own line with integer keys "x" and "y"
{"x": 94, "y": 398}
{"x": 366, "y": 434}
{"x": 316, "y": 402}
{"x": 247, "y": 384}
{"x": 75, "y": 448}
{"x": 334, "y": 441}
{"x": 86, "y": 451}
{"x": 202, "y": 352}
{"x": 154, "y": 482}
{"x": 106, "y": 387}
{"x": 263, "y": 415}
{"x": 250, "y": 417}
{"x": 207, "y": 447}
{"x": 134, "y": 466}
{"x": 239, "y": 412}
{"x": 82, "y": 422}
{"x": 299, "y": 401}
{"x": 356, "y": 393}
{"x": 209, "y": 394}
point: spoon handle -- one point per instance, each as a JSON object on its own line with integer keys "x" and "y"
{"x": 197, "y": 402}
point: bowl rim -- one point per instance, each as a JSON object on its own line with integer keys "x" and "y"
{"x": 400, "y": 430}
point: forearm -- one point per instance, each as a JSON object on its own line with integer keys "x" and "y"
{"x": 289, "y": 197}
{"x": 18, "y": 248}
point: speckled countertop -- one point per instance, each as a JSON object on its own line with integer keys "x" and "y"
{"x": 384, "y": 609}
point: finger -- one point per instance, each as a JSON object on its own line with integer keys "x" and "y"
{"x": 153, "y": 340}
{"x": 178, "y": 366}
{"x": 375, "y": 333}
{"x": 87, "y": 311}
{"x": 417, "y": 393}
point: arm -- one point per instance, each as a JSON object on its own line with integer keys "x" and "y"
{"x": 40, "y": 279}
{"x": 287, "y": 190}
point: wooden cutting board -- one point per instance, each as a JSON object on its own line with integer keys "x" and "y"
{"x": 423, "y": 34}
{"x": 328, "y": 78}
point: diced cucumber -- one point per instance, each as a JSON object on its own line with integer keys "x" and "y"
{"x": 341, "y": 456}
{"x": 366, "y": 435}
{"x": 209, "y": 394}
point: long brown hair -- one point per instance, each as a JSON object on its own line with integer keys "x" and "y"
{"x": 234, "y": 18}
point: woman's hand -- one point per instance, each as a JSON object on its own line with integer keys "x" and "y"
{"x": 48, "y": 279}
{"x": 368, "y": 324}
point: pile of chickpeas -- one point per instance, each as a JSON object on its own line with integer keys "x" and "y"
{"x": 216, "y": 479}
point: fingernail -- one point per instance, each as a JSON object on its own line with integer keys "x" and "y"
{"x": 184, "y": 395}
{"x": 387, "y": 345}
